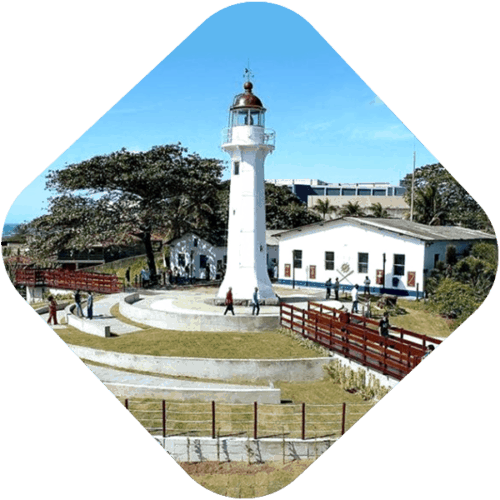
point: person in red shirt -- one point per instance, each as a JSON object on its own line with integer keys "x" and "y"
{"x": 52, "y": 310}
{"x": 229, "y": 301}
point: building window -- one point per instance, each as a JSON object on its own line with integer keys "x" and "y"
{"x": 364, "y": 192}
{"x": 329, "y": 261}
{"x": 236, "y": 168}
{"x": 379, "y": 192}
{"x": 203, "y": 261}
{"x": 362, "y": 263}
{"x": 297, "y": 259}
{"x": 333, "y": 191}
{"x": 436, "y": 259}
{"x": 195, "y": 242}
{"x": 348, "y": 192}
{"x": 399, "y": 265}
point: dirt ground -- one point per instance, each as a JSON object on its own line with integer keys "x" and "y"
{"x": 243, "y": 480}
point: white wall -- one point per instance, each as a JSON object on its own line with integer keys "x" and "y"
{"x": 185, "y": 246}
{"x": 347, "y": 240}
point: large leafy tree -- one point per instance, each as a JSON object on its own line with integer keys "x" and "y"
{"x": 112, "y": 199}
{"x": 440, "y": 199}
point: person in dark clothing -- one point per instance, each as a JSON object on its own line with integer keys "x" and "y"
{"x": 78, "y": 302}
{"x": 328, "y": 286}
{"x": 336, "y": 288}
{"x": 383, "y": 326}
{"x": 127, "y": 276}
{"x": 229, "y": 301}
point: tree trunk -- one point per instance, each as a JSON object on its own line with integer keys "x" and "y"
{"x": 146, "y": 239}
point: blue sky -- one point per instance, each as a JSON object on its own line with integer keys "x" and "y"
{"x": 329, "y": 124}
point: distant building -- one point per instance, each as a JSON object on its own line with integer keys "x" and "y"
{"x": 395, "y": 254}
{"x": 309, "y": 191}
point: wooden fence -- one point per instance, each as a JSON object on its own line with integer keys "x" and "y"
{"x": 70, "y": 280}
{"x": 356, "y": 337}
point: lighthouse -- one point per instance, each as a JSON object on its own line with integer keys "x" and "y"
{"x": 247, "y": 142}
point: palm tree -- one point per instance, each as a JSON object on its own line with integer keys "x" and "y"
{"x": 324, "y": 207}
{"x": 428, "y": 206}
{"x": 351, "y": 209}
{"x": 378, "y": 211}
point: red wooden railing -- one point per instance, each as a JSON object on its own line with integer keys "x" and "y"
{"x": 358, "y": 339}
{"x": 70, "y": 280}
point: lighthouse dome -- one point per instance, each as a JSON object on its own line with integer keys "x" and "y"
{"x": 247, "y": 99}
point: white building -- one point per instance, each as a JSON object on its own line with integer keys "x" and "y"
{"x": 191, "y": 254}
{"x": 248, "y": 143}
{"x": 395, "y": 254}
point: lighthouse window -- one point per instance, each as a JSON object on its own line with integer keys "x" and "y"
{"x": 236, "y": 168}
{"x": 254, "y": 118}
{"x": 242, "y": 117}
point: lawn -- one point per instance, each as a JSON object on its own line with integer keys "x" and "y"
{"x": 419, "y": 319}
{"x": 224, "y": 345}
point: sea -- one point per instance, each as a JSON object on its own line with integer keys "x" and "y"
{"x": 8, "y": 229}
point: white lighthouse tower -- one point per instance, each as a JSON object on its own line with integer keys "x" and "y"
{"x": 248, "y": 143}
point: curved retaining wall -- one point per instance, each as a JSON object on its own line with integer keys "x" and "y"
{"x": 228, "y": 394}
{"x": 194, "y": 322}
{"x": 261, "y": 370}
{"x": 85, "y": 325}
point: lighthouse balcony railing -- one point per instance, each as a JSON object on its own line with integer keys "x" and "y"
{"x": 261, "y": 135}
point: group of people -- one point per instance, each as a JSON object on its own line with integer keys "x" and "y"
{"x": 230, "y": 302}
{"x": 90, "y": 304}
{"x": 78, "y": 302}
{"x": 354, "y": 292}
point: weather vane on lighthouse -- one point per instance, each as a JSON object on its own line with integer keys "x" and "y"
{"x": 248, "y": 143}
{"x": 248, "y": 73}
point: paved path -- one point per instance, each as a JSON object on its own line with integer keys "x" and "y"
{"x": 110, "y": 375}
{"x": 193, "y": 301}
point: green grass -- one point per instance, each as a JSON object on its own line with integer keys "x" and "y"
{"x": 419, "y": 319}
{"x": 224, "y": 345}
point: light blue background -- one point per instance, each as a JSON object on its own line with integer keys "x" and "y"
{"x": 65, "y": 64}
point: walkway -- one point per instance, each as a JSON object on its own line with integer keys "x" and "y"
{"x": 134, "y": 385}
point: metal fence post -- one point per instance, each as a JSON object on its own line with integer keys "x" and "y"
{"x": 303, "y": 421}
{"x": 164, "y": 417}
{"x": 255, "y": 419}
{"x": 213, "y": 419}
{"x": 126, "y": 404}
{"x": 343, "y": 418}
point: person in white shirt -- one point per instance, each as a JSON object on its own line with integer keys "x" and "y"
{"x": 355, "y": 298}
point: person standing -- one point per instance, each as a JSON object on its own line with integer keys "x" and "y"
{"x": 367, "y": 283}
{"x": 355, "y": 298}
{"x": 78, "y": 302}
{"x": 90, "y": 305}
{"x": 255, "y": 302}
{"x": 383, "y": 326}
{"x": 229, "y": 301}
{"x": 127, "y": 276}
{"x": 52, "y": 310}
{"x": 336, "y": 288}
{"x": 328, "y": 286}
